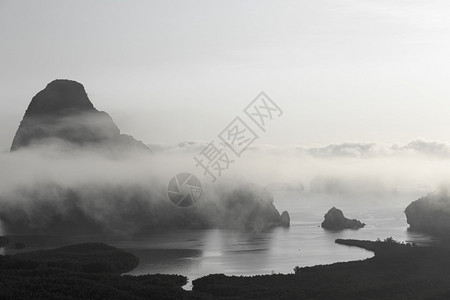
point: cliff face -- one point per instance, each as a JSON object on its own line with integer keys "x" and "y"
{"x": 430, "y": 214}
{"x": 62, "y": 112}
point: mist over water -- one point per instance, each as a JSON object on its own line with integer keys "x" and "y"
{"x": 323, "y": 105}
{"x": 31, "y": 180}
{"x": 196, "y": 253}
{"x": 371, "y": 183}
{"x": 355, "y": 168}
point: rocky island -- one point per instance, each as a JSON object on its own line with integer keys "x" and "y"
{"x": 335, "y": 220}
{"x": 430, "y": 214}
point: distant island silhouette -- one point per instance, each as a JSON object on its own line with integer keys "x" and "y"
{"x": 430, "y": 214}
{"x": 61, "y": 121}
{"x": 62, "y": 112}
{"x": 334, "y": 219}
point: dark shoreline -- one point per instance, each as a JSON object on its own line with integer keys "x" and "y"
{"x": 397, "y": 270}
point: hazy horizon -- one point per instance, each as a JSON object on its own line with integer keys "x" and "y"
{"x": 240, "y": 148}
{"x": 168, "y": 72}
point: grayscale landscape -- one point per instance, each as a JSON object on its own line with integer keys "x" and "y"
{"x": 224, "y": 150}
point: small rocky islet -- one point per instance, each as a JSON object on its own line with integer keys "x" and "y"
{"x": 334, "y": 219}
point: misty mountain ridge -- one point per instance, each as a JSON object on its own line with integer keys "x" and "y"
{"x": 84, "y": 189}
{"x": 63, "y": 180}
{"x": 63, "y": 114}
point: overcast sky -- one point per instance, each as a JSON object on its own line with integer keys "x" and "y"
{"x": 171, "y": 71}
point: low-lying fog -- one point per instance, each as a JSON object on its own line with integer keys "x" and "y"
{"x": 31, "y": 179}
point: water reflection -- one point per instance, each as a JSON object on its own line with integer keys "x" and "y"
{"x": 166, "y": 260}
{"x": 195, "y": 253}
{"x": 236, "y": 252}
{"x": 199, "y": 252}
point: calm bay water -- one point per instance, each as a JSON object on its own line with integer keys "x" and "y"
{"x": 195, "y": 253}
